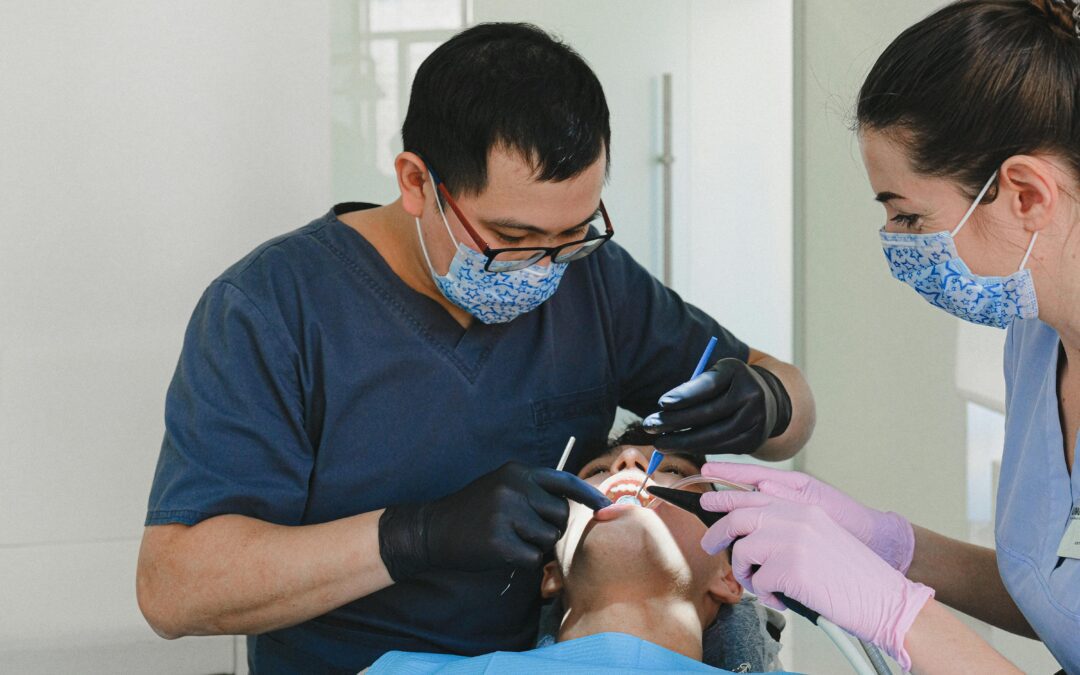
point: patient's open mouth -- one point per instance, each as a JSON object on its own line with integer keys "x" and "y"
{"x": 625, "y": 484}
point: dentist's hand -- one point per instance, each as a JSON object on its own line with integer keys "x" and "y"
{"x": 886, "y": 533}
{"x": 508, "y": 518}
{"x": 732, "y": 407}
{"x": 799, "y": 551}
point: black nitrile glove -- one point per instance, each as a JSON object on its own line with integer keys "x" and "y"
{"x": 510, "y": 517}
{"x": 730, "y": 408}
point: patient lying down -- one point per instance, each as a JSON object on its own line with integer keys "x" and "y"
{"x": 635, "y": 588}
{"x": 635, "y": 570}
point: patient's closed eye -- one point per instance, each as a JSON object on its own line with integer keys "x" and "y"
{"x": 675, "y": 468}
{"x": 595, "y": 471}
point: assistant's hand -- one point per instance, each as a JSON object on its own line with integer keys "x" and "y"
{"x": 799, "y": 551}
{"x": 508, "y": 518}
{"x": 732, "y": 407}
{"x": 886, "y": 533}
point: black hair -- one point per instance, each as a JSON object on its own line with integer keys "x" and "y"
{"x": 634, "y": 434}
{"x": 508, "y": 85}
{"x": 977, "y": 82}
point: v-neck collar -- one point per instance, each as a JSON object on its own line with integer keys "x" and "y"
{"x": 467, "y": 348}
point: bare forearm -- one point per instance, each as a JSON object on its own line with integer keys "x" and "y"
{"x": 966, "y": 577}
{"x": 803, "y": 415}
{"x": 938, "y": 642}
{"x": 237, "y": 575}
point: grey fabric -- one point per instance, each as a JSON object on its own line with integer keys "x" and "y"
{"x": 740, "y": 640}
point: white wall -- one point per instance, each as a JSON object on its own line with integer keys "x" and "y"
{"x": 145, "y": 145}
{"x": 738, "y": 248}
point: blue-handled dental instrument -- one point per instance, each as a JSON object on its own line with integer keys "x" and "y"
{"x": 658, "y": 456}
{"x": 704, "y": 361}
{"x": 654, "y": 462}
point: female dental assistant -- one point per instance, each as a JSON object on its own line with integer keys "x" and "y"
{"x": 970, "y": 130}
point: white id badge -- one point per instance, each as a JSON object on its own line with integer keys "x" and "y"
{"x": 1070, "y": 543}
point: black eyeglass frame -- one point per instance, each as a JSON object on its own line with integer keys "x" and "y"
{"x": 544, "y": 251}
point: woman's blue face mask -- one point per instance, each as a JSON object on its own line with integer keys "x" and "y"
{"x": 930, "y": 264}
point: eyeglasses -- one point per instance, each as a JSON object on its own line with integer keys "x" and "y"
{"x": 518, "y": 258}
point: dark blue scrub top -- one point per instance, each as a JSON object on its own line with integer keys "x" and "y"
{"x": 314, "y": 385}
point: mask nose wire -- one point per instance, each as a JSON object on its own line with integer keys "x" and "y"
{"x": 975, "y": 204}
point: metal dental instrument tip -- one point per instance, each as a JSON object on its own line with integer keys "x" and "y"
{"x": 654, "y": 462}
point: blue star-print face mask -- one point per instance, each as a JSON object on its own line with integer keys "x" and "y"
{"x": 491, "y": 297}
{"x": 930, "y": 264}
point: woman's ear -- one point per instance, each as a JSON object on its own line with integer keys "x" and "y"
{"x": 1030, "y": 186}
{"x": 723, "y": 588}
{"x": 551, "y": 584}
{"x": 412, "y": 178}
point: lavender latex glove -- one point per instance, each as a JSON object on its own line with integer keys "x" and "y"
{"x": 886, "y": 533}
{"x": 798, "y": 550}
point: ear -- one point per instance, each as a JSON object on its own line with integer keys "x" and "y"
{"x": 413, "y": 181}
{"x": 551, "y": 584}
{"x": 1030, "y": 185}
{"x": 723, "y": 588}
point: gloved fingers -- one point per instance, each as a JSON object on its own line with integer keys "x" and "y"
{"x": 537, "y": 532}
{"x": 747, "y": 557}
{"x": 705, "y": 412}
{"x": 729, "y": 528}
{"x": 783, "y": 491}
{"x": 726, "y": 501}
{"x": 563, "y": 484}
{"x": 712, "y": 383}
{"x": 753, "y": 474}
{"x": 768, "y": 581}
{"x": 722, "y": 437}
{"x": 554, "y": 511}
{"x": 516, "y": 552}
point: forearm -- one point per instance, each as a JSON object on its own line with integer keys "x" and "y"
{"x": 803, "y": 415}
{"x": 966, "y": 577}
{"x": 237, "y": 575}
{"x": 938, "y": 642}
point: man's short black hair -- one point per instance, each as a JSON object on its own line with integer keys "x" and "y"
{"x": 508, "y": 85}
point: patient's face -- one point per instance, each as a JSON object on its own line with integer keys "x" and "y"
{"x": 633, "y": 550}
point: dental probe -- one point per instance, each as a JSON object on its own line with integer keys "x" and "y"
{"x": 566, "y": 454}
{"x": 654, "y": 462}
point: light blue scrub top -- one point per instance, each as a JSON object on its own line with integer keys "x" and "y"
{"x": 1036, "y": 494}
{"x": 601, "y": 654}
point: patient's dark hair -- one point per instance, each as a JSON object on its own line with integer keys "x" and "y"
{"x": 634, "y": 434}
{"x": 508, "y": 85}
{"x": 977, "y": 82}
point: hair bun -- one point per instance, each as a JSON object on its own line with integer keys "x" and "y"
{"x": 1064, "y": 14}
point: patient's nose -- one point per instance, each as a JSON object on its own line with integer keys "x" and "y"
{"x": 631, "y": 457}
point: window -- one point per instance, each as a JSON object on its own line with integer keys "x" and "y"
{"x": 376, "y": 47}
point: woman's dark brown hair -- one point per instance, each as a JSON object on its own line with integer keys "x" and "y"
{"x": 977, "y": 82}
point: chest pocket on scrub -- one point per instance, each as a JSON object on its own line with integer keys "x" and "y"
{"x": 587, "y": 414}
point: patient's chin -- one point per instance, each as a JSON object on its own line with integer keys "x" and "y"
{"x": 635, "y": 542}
